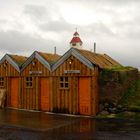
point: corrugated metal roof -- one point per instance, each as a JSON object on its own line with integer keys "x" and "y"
{"x": 51, "y": 58}
{"x": 18, "y": 59}
{"x": 102, "y": 60}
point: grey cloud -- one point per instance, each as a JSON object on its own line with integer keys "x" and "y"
{"x": 16, "y": 42}
{"x": 57, "y": 26}
{"x": 119, "y": 2}
{"x": 42, "y": 13}
{"x": 2, "y": 21}
{"x": 112, "y": 2}
{"x": 36, "y": 12}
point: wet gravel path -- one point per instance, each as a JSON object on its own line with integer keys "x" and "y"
{"x": 23, "y": 125}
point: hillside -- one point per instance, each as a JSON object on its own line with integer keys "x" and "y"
{"x": 129, "y": 103}
{"x": 131, "y": 98}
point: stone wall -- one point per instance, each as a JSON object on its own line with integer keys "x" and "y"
{"x": 114, "y": 83}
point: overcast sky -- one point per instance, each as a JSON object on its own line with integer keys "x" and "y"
{"x": 29, "y": 25}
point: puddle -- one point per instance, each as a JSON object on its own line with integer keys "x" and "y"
{"x": 24, "y": 125}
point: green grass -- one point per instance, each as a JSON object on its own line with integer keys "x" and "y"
{"x": 119, "y": 74}
{"x": 130, "y": 116}
{"x": 120, "y": 68}
{"x": 131, "y": 98}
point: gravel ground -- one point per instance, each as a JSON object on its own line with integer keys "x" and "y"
{"x": 23, "y": 125}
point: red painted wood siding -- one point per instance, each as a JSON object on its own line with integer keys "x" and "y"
{"x": 45, "y": 94}
{"x": 14, "y": 92}
{"x": 84, "y": 96}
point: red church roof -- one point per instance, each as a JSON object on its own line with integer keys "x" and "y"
{"x": 76, "y": 38}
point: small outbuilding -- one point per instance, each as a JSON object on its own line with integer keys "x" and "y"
{"x": 75, "y": 81}
{"x": 36, "y": 87}
{"x": 10, "y": 66}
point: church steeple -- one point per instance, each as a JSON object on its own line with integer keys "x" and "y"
{"x": 76, "y": 41}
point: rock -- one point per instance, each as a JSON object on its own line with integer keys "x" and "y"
{"x": 104, "y": 112}
{"x": 106, "y": 105}
{"x": 112, "y": 110}
{"x": 124, "y": 109}
{"x": 114, "y": 104}
{"x": 106, "y": 109}
{"x": 119, "y": 106}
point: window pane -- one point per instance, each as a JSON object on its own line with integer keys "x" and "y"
{"x": 66, "y": 85}
{"x": 30, "y": 79}
{"x": 27, "y": 84}
{"x": 1, "y": 81}
{"x": 64, "y": 82}
{"x": 61, "y": 85}
{"x": 66, "y": 79}
{"x": 61, "y": 78}
{"x": 30, "y": 84}
{"x": 27, "y": 79}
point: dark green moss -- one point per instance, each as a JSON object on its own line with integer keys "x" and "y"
{"x": 132, "y": 97}
{"x": 115, "y": 74}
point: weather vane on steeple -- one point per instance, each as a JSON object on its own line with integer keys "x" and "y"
{"x": 76, "y": 29}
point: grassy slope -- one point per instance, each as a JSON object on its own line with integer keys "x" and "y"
{"x": 131, "y": 99}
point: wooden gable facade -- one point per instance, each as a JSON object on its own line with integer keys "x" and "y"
{"x": 9, "y": 78}
{"x": 36, "y": 82}
{"x": 75, "y": 85}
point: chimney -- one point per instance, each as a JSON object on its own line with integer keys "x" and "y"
{"x": 55, "y": 50}
{"x": 94, "y": 47}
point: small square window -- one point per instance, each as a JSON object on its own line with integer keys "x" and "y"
{"x": 64, "y": 82}
{"x": 1, "y": 81}
{"x": 29, "y": 82}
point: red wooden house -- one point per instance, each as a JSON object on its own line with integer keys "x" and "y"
{"x": 9, "y": 77}
{"x": 36, "y": 87}
{"x": 75, "y": 81}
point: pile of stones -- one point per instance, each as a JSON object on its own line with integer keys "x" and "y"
{"x": 111, "y": 108}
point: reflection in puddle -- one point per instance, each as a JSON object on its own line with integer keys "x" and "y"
{"x": 23, "y": 125}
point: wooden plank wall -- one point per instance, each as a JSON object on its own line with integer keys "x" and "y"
{"x": 7, "y": 71}
{"x": 66, "y": 101}
{"x": 30, "y": 97}
{"x": 61, "y": 100}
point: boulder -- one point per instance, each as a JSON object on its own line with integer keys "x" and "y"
{"x": 104, "y": 112}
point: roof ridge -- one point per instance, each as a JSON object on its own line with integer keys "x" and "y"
{"x": 102, "y": 60}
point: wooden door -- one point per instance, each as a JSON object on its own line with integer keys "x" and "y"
{"x": 14, "y": 92}
{"x": 45, "y": 94}
{"x": 84, "y": 96}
